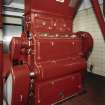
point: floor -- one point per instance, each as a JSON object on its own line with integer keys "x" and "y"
{"x": 94, "y": 95}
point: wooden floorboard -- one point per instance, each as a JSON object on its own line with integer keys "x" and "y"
{"x": 95, "y": 94}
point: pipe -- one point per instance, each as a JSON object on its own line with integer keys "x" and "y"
{"x": 99, "y": 15}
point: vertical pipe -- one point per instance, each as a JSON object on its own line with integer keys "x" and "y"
{"x": 1, "y": 70}
{"x": 99, "y": 15}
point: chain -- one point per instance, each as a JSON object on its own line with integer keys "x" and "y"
{"x": 31, "y": 95}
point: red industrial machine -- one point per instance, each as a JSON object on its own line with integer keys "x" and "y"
{"x": 48, "y": 60}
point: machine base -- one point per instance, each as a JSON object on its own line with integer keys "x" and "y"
{"x": 55, "y": 91}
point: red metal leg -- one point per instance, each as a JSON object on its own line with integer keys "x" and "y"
{"x": 99, "y": 15}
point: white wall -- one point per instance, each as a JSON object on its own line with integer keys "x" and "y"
{"x": 12, "y": 28}
{"x": 1, "y": 35}
{"x": 13, "y": 20}
{"x": 9, "y": 32}
{"x": 86, "y": 21}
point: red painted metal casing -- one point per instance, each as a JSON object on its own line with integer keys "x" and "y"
{"x": 1, "y": 71}
{"x": 48, "y": 59}
{"x": 20, "y": 76}
{"x": 52, "y": 6}
{"x": 87, "y": 43}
